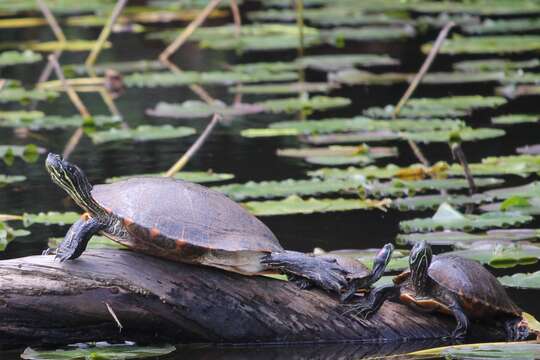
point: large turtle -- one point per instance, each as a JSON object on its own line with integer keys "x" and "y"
{"x": 186, "y": 222}
{"x": 451, "y": 285}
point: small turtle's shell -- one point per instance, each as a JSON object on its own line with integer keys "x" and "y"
{"x": 174, "y": 211}
{"x": 479, "y": 291}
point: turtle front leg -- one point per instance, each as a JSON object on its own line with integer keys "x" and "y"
{"x": 373, "y": 301}
{"x": 324, "y": 273}
{"x": 516, "y": 329}
{"x": 76, "y": 239}
{"x": 460, "y": 332}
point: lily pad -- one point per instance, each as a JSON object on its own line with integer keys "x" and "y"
{"x": 141, "y": 133}
{"x": 503, "y": 44}
{"x": 425, "y": 202}
{"x": 10, "y": 179}
{"x": 515, "y": 119}
{"x": 501, "y": 350}
{"x": 490, "y": 65}
{"x": 347, "y": 138}
{"x": 523, "y": 205}
{"x": 337, "y": 36}
{"x": 191, "y": 176}
{"x": 459, "y": 239}
{"x": 284, "y": 188}
{"x": 110, "y": 352}
{"x": 73, "y": 45}
{"x": 529, "y": 149}
{"x": 345, "y": 61}
{"x": 339, "y": 155}
{"x": 123, "y": 67}
{"x": 315, "y": 103}
{"x": 465, "y": 134}
{"x": 447, "y": 218}
{"x": 502, "y": 255}
{"x": 7, "y": 234}
{"x": 201, "y": 109}
{"x": 37, "y": 120}
{"x": 24, "y": 96}
{"x": 285, "y": 88}
{"x": 29, "y": 153}
{"x": 169, "y": 79}
{"x": 9, "y": 58}
{"x": 296, "y": 205}
{"x": 50, "y": 218}
{"x": 522, "y": 281}
{"x": 521, "y": 165}
{"x": 503, "y": 26}
{"x": 525, "y": 191}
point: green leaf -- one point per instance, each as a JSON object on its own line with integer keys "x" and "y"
{"x": 336, "y": 62}
{"x": 9, "y": 58}
{"x": 97, "y": 352}
{"x": 37, "y": 120}
{"x": 514, "y": 119}
{"x": 142, "y": 133}
{"x": 51, "y": 218}
{"x": 503, "y": 26}
{"x": 367, "y": 33}
{"x": 72, "y": 45}
{"x": 426, "y": 202}
{"x": 169, "y": 79}
{"x": 8, "y": 234}
{"x": 465, "y": 134}
{"x": 10, "y": 94}
{"x": 284, "y": 188}
{"x": 354, "y": 137}
{"x": 285, "y": 88}
{"x": 296, "y": 205}
{"x": 514, "y": 202}
{"x": 191, "y": 176}
{"x": 502, "y": 350}
{"x": 10, "y": 179}
{"x": 502, "y": 255}
{"x": 29, "y": 153}
{"x": 504, "y": 44}
{"x": 490, "y": 65}
{"x": 200, "y": 109}
{"x": 522, "y": 280}
{"x": 315, "y": 103}
{"x": 339, "y": 155}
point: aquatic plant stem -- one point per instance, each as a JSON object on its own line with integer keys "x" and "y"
{"x": 424, "y": 68}
{"x": 51, "y": 20}
{"x": 194, "y": 148}
{"x": 103, "y": 36}
{"x": 236, "y": 18}
{"x": 186, "y": 33}
{"x": 459, "y": 154}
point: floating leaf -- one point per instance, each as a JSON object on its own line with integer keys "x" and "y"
{"x": 522, "y": 280}
{"x": 501, "y": 350}
{"x": 8, "y": 58}
{"x": 22, "y": 95}
{"x": 10, "y": 179}
{"x": 446, "y": 218}
{"x": 110, "y": 352}
{"x": 462, "y": 240}
{"x": 284, "y": 188}
{"x": 96, "y": 242}
{"x": 121, "y": 67}
{"x": 488, "y": 45}
{"x": 503, "y": 26}
{"x": 339, "y": 155}
{"x": 502, "y": 255}
{"x": 50, "y": 46}
{"x": 502, "y": 165}
{"x": 525, "y": 205}
{"x": 336, "y": 62}
{"x": 515, "y": 119}
{"x": 465, "y": 134}
{"x": 315, "y": 103}
{"x": 29, "y": 153}
{"x": 285, "y": 88}
{"x": 355, "y": 137}
{"x": 50, "y": 218}
{"x": 25, "y": 22}
{"x": 37, "y": 120}
{"x": 7, "y": 234}
{"x": 168, "y": 79}
{"x": 338, "y": 35}
{"x": 200, "y": 109}
{"x": 490, "y": 65}
{"x": 141, "y": 133}
{"x": 296, "y": 205}
{"x": 529, "y": 149}
{"x": 191, "y": 176}
{"x": 425, "y": 202}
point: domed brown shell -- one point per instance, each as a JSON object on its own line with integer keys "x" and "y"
{"x": 480, "y": 292}
{"x": 187, "y": 212}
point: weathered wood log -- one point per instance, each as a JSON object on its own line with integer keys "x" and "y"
{"x": 43, "y": 301}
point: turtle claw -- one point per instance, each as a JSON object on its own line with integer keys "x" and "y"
{"x": 49, "y": 251}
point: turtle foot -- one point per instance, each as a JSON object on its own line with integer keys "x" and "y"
{"x": 517, "y": 329}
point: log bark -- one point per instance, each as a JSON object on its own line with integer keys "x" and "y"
{"x": 45, "y": 302}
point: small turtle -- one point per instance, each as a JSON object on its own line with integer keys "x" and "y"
{"x": 186, "y": 222}
{"x": 451, "y": 285}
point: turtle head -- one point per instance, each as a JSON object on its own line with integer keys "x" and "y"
{"x": 381, "y": 260}
{"x": 72, "y": 179}
{"x": 419, "y": 261}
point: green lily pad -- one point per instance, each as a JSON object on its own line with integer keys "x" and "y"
{"x": 141, "y": 133}
{"x": 337, "y": 36}
{"x": 10, "y": 179}
{"x": 425, "y": 202}
{"x": 347, "y": 138}
{"x": 501, "y": 350}
{"x": 315, "y": 103}
{"x": 478, "y": 7}
{"x": 524, "y": 191}
{"x": 524, "y": 205}
{"x": 399, "y": 188}
{"x": 201, "y": 109}
{"x": 191, "y": 176}
{"x": 9, "y": 58}
{"x": 61, "y": 7}
{"x": 96, "y": 242}
{"x": 284, "y": 188}
{"x": 522, "y": 280}
{"x": 452, "y": 106}
{"x": 503, "y": 26}
{"x": 37, "y": 120}
{"x": 296, "y": 205}
{"x": 502, "y": 255}
{"x": 447, "y": 218}
{"x": 338, "y": 151}
{"x": 29, "y": 153}
{"x": 463, "y": 240}
{"x": 123, "y": 67}
{"x": 285, "y": 88}
{"x": 8, "y": 234}
{"x": 169, "y": 79}
{"x": 50, "y": 218}
{"x": 515, "y": 119}
{"x": 359, "y": 123}
{"x": 503, "y": 165}
{"x": 503, "y": 44}
{"x": 336, "y": 62}
{"x": 465, "y": 134}
{"x": 490, "y": 65}
{"x": 24, "y": 96}
{"x": 67, "y": 46}
{"x": 110, "y": 352}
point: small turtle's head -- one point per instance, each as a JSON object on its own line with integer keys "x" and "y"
{"x": 70, "y": 178}
{"x": 381, "y": 260}
{"x": 419, "y": 261}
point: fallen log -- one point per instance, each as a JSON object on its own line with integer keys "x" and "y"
{"x": 43, "y": 302}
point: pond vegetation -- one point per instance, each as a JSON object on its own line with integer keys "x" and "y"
{"x": 332, "y": 128}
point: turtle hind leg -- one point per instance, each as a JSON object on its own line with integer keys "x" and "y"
{"x": 460, "y": 332}
{"x": 373, "y": 301}
{"x": 516, "y": 329}
{"x": 323, "y": 273}
{"x": 77, "y": 238}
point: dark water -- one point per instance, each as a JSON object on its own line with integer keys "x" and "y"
{"x": 248, "y": 159}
